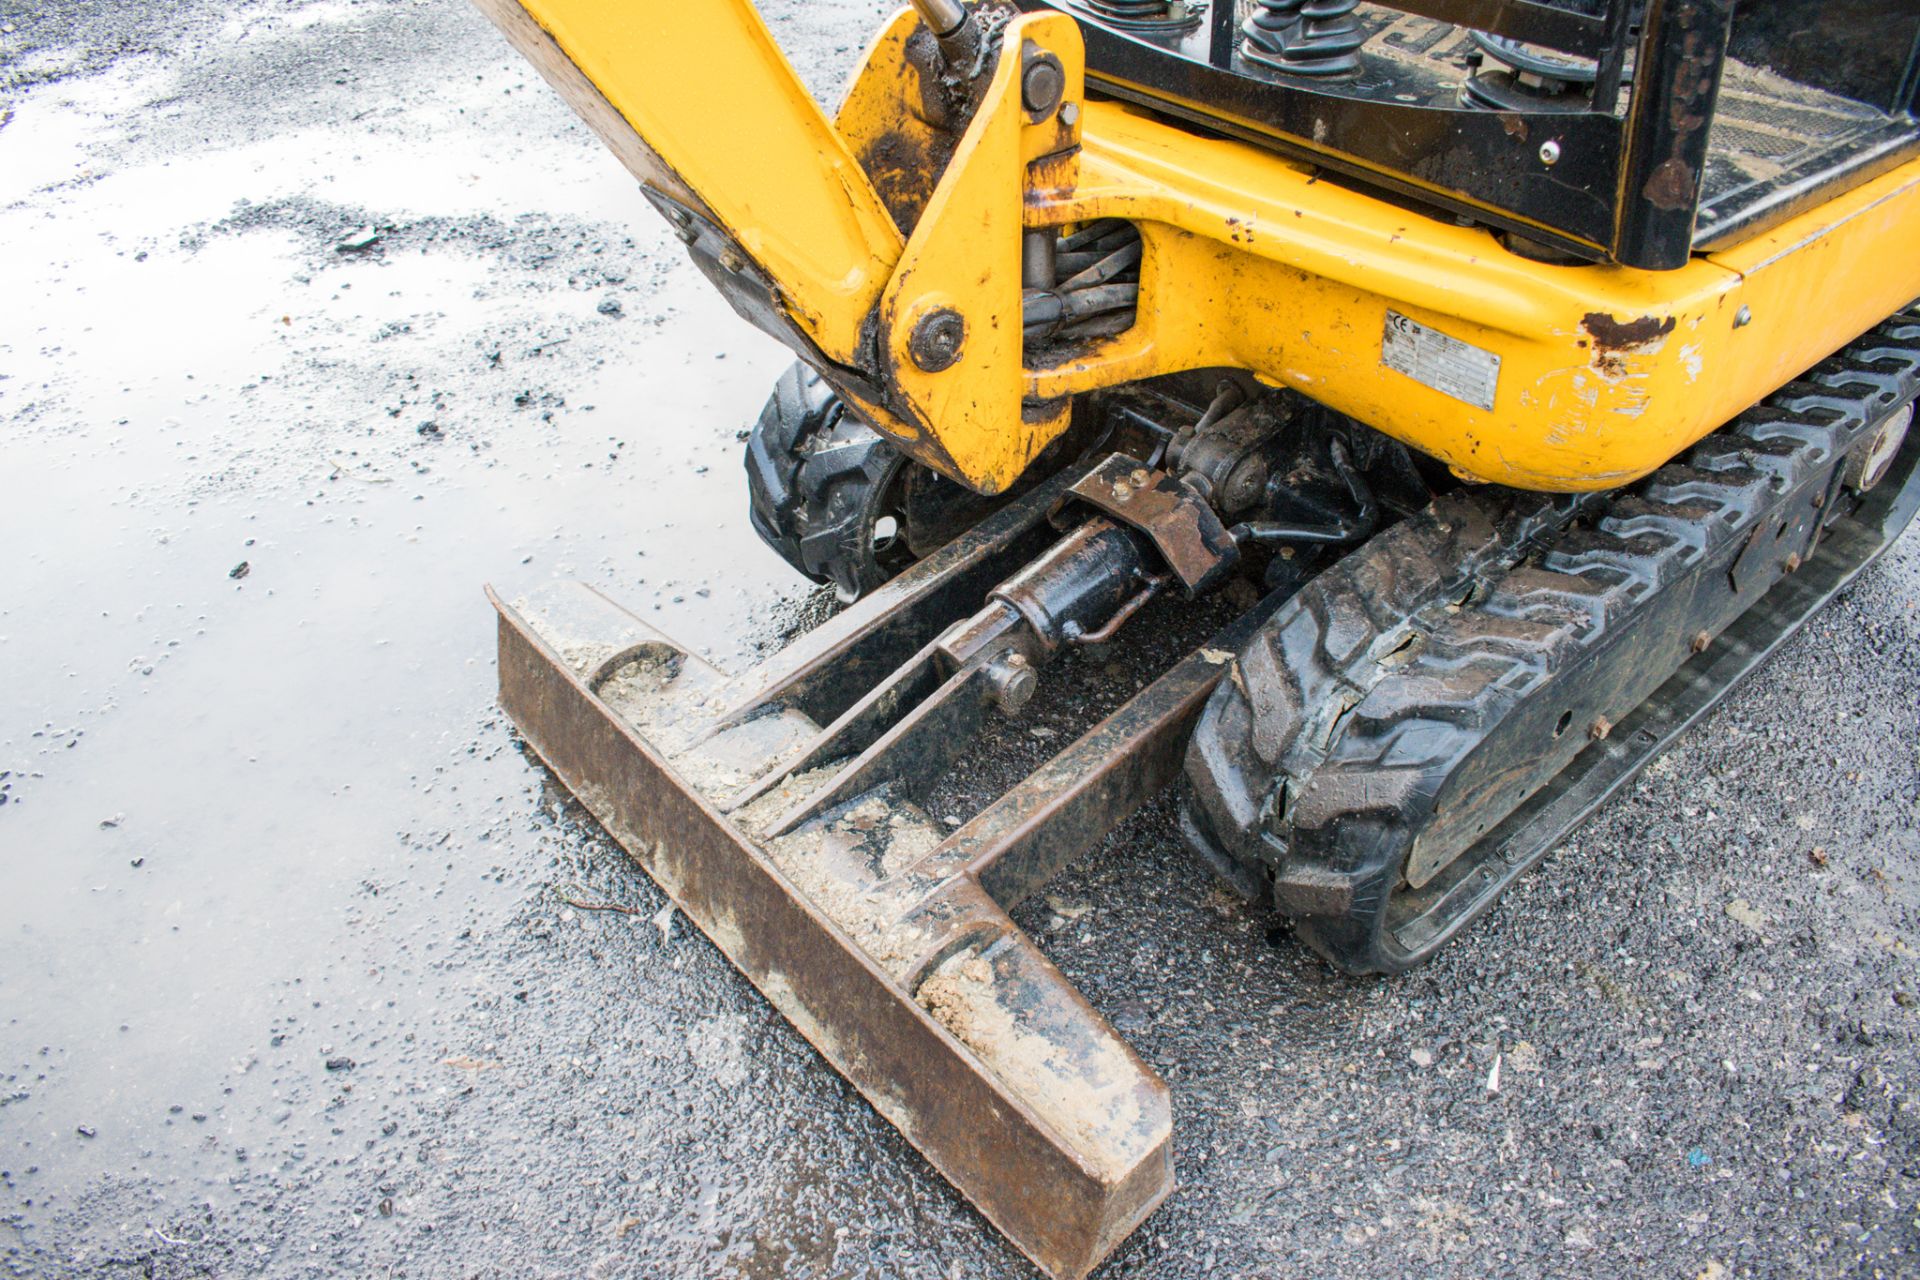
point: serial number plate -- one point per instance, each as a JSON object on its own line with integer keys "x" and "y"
{"x": 1448, "y": 365}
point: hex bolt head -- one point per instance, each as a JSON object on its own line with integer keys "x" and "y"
{"x": 936, "y": 340}
{"x": 1140, "y": 477}
{"x": 1700, "y": 641}
{"x": 1041, "y": 85}
{"x": 1743, "y": 317}
{"x": 1549, "y": 152}
{"x": 1121, "y": 491}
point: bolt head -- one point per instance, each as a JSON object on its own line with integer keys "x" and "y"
{"x": 1549, "y": 152}
{"x": 1140, "y": 477}
{"x": 1122, "y": 492}
{"x": 937, "y": 339}
{"x": 1013, "y": 682}
{"x": 1042, "y": 84}
{"x": 1743, "y": 317}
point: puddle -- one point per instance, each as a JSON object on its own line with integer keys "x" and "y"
{"x": 257, "y": 795}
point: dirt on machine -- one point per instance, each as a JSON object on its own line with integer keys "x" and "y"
{"x": 1469, "y": 407}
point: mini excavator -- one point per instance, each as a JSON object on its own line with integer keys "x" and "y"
{"x": 1505, "y": 378}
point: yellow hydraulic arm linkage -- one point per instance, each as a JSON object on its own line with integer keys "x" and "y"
{"x": 899, "y": 276}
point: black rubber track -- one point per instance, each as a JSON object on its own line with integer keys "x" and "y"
{"x": 1412, "y": 696}
{"x": 819, "y": 484}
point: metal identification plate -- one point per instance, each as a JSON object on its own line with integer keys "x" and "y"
{"x": 1448, "y": 365}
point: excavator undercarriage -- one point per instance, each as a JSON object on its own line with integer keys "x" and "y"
{"x": 1522, "y": 373}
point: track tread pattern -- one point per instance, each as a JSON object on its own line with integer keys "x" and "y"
{"x": 1330, "y": 755}
{"x": 813, "y": 473}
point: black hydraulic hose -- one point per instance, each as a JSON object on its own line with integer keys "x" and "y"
{"x": 1364, "y": 520}
{"x": 1104, "y": 270}
{"x": 1043, "y": 311}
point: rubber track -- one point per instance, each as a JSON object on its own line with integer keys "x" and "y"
{"x": 813, "y": 476}
{"x": 1331, "y": 757}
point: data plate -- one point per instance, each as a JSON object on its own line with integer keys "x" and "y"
{"x": 1448, "y": 365}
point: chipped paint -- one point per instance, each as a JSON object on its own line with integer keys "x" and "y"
{"x": 1691, "y": 361}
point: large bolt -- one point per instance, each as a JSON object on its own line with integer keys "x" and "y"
{"x": 936, "y": 340}
{"x": 1013, "y": 681}
{"x": 1041, "y": 84}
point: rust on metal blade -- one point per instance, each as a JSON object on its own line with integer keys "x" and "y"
{"x": 926, "y": 996}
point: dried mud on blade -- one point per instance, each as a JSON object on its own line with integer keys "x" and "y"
{"x": 770, "y": 807}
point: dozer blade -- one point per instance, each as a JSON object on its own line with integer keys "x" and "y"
{"x": 773, "y": 809}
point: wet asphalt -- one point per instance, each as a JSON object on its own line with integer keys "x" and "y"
{"x": 316, "y": 316}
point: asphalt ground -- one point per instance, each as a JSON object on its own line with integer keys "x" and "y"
{"x": 290, "y": 982}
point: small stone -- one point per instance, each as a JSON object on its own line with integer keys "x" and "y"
{"x": 341, "y": 1063}
{"x": 358, "y": 241}
{"x": 240, "y": 571}
{"x": 108, "y": 824}
{"x": 1422, "y": 1057}
{"x": 610, "y": 306}
{"x": 85, "y": 1130}
{"x": 1743, "y": 912}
